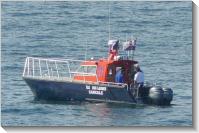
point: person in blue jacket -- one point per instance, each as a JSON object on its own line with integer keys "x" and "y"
{"x": 119, "y": 77}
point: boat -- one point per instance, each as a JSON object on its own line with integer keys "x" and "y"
{"x": 92, "y": 79}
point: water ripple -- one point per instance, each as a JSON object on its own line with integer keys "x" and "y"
{"x": 61, "y": 29}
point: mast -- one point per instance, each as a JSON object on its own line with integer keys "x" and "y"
{"x": 109, "y": 27}
{"x": 85, "y": 56}
{"x": 109, "y": 36}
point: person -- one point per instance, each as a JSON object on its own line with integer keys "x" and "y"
{"x": 119, "y": 77}
{"x": 139, "y": 76}
{"x": 113, "y": 49}
{"x": 112, "y": 54}
{"x": 138, "y": 79}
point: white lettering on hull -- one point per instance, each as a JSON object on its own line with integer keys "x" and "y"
{"x": 87, "y": 87}
{"x": 96, "y": 90}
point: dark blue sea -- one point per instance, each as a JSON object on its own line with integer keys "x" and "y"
{"x": 61, "y": 30}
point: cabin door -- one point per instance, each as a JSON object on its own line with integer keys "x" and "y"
{"x": 111, "y": 73}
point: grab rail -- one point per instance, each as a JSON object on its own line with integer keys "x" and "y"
{"x": 57, "y": 68}
{"x": 44, "y": 67}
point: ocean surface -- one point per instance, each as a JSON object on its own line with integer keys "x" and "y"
{"x": 61, "y": 30}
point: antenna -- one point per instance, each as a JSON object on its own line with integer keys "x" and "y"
{"x": 85, "y": 51}
{"x": 109, "y": 25}
{"x": 132, "y": 51}
{"x": 109, "y": 36}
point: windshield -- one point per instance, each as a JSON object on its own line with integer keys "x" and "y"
{"x": 88, "y": 69}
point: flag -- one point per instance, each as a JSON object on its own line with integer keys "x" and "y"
{"x": 129, "y": 45}
{"x": 113, "y": 44}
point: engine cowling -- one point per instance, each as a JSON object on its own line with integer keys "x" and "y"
{"x": 156, "y": 95}
{"x": 167, "y": 96}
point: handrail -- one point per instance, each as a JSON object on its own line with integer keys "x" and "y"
{"x": 37, "y": 67}
{"x": 56, "y": 59}
{"x": 25, "y": 65}
{"x": 81, "y": 73}
{"x": 113, "y": 83}
{"x": 34, "y": 64}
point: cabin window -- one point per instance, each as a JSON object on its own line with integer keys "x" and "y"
{"x": 88, "y": 69}
{"x": 110, "y": 72}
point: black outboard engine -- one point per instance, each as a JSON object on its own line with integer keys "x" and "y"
{"x": 168, "y": 96}
{"x": 156, "y": 95}
{"x": 160, "y": 96}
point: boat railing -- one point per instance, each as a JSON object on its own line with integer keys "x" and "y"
{"x": 60, "y": 69}
{"x": 52, "y": 68}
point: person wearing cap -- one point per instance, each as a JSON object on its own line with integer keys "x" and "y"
{"x": 139, "y": 77}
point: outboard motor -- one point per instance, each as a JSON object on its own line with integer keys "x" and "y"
{"x": 156, "y": 95}
{"x": 167, "y": 96}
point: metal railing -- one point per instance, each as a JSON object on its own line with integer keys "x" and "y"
{"x": 63, "y": 69}
{"x": 52, "y": 68}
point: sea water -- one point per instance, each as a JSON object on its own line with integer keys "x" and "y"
{"x": 63, "y": 29}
